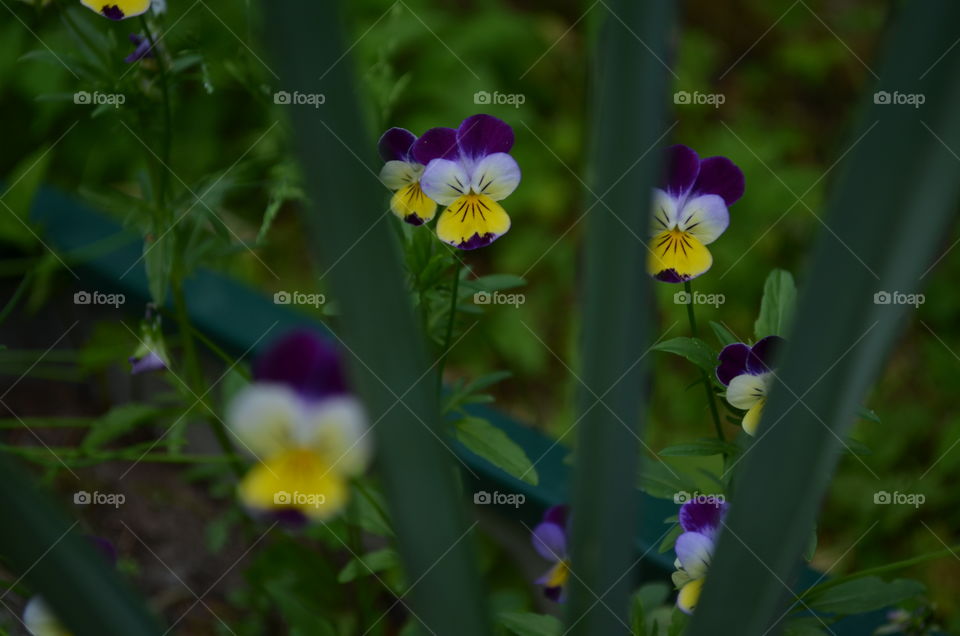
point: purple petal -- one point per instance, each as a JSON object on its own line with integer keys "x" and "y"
{"x": 550, "y": 541}
{"x": 557, "y": 515}
{"x": 694, "y": 551}
{"x": 669, "y": 276}
{"x": 142, "y": 49}
{"x": 719, "y": 175}
{"x": 149, "y": 362}
{"x": 682, "y": 168}
{"x": 306, "y": 363}
{"x": 555, "y": 594}
{"x": 436, "y": 143}
{"x": 763, "y": 353}
{"x": 702, "y": 516}
{"x": 733, "y": 362}
{"x": 483, "y": 135}
{"x": 112, "y": 11}
{"x": 477, "y": 241}
{"x": 395, "y": 144}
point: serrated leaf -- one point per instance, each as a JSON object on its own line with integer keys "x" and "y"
{"x": 777, "y": 306}
{"x": 865, "y": 595}
{"x": 371, "y": 562}
{"x": 693, "y": 349}
{"x": 530, "y": 624}
{"x": 119, "y": 421}
{"x": 491, "y": 443}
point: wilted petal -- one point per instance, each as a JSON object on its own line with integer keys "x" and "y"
{"x": 496, "y": 176}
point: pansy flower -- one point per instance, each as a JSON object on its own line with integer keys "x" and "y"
{"x": 39, "y": 618}
{"x": 118, "y": 9}
{"x": 473, "y": 172}
{"x": 305, "y": 428}
{"x": 142, "y": 48}
{"x": 690, "y": 212}
{"x": 701, "y": 521}
{"x": 151, "y": 353}
{"x": 550, "y": 541}
{"x": 405, "y": 162}
{"x": 747, "y": 373}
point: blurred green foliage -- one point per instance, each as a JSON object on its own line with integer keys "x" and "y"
{"x": 791, "y": 76}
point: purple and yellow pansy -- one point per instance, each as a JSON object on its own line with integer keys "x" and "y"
{"x": 308, "y": 432}
{"x": 405, "y": 162}
{"x": 472, "y": 171}
{"x": 747, "y": 372}
{"x": 690, "y": 211}
{"x": 701, "y": 521}
{"x": 550, "y": 541}
{"x": 118, "y": 9}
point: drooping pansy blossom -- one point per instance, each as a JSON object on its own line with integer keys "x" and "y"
{"x": 690, "y": 212}
{"x": 471, "y": 174}
{"x": 142, "y": 48}
{"x": 747, "y": 372}
{"x": 405, "y": 163}
{"x": 151, "y": 353}
{"x": 306, "y": 430}
{"x": 118, "y": 9}
{"x": 701, "y": 521}
{"x": 39, "y": 618}
{"x": 550, "y": 541}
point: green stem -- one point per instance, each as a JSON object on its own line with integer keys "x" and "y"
{"x": 21, "y": 288}
{"x": 449, "y": 337}
{"x": 880, "y": 569}
{"x": 711, "y": 398}
{"x": 167, "y": 114}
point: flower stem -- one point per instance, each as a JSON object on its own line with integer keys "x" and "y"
{"x": 880, "y": 569}
{"x": 167, "y": 114}
{"x": 711, "y": 398}
{"x": 449, "y": 337}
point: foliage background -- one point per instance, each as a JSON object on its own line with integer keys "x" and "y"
{"x": 791, "y": 74}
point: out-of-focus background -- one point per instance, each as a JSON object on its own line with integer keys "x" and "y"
{"x": 785, "y": 81}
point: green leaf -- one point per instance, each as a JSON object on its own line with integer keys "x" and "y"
{"x": 865, "y": 595}
{"x": 723, "y": 334}
{"x": 16, "y": 202}
{"x": 302, "y": 619}
{"x": 158, "y": 261}
{"x": 704, "y": 447}
{"x": 657, "y": 479}
{"x": 693, "y": 349}
{"x": 529, "y": 624}
{"x": 491, "y": 443}
{"x": 670, "y": 538}
{"x": 777, "y": 306}
{"x": 867, "y": 414}
{"x": 371, "y": 562}
{"x": 119, "y": 421}
{"x": 804, "y": 626}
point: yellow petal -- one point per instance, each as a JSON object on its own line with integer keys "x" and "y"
{"x": 472, "y": 221}
{"x": 412, "y": 205}
{"x": 690, "y": 595}
{"x": 118, "y": 9}
{"x": 300, "y": 479}
{"x": 558, "y": 575}
{"x": 676, "y": 256}
{"x": 752, "y": 418}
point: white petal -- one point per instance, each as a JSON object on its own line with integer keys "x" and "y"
{"x": 337, "y": 428}
{"x": 664, "y": 212}
{"x": 396, "y": 174}
{"x": 496, "y": 176}
{"x": 694, "y": 551}
{"x": 40, "y": 621}
{"x": 264, "y": 418}
{"x": 444, "y": 181}
{"x": 746, "y": 390}
{"x": 704, "y": 217}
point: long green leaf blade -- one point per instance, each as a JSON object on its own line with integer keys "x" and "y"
{"x": 897, "y": 192}
{"x": 629, "y": 104}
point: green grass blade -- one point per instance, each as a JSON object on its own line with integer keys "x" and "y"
{"x": 38, "y": 541}
{"x": 358, "y": 251}
{"x": 630, "y": 88}
{"x": 896, "y": 194}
